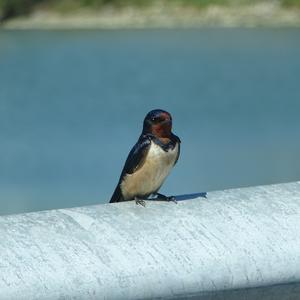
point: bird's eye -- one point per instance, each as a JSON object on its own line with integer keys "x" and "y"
{"x": 155, "y": 119}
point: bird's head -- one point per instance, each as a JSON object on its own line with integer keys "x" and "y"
{"x": 159, "y": 123}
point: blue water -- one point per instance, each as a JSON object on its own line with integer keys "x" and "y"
{"x": 72, "y": 105}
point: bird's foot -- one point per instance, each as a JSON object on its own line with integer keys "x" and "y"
{"x": 140, "y": 202}
{"x": 161, "y": 197}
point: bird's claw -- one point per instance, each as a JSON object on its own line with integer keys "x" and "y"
{"x": 140, "y": 202}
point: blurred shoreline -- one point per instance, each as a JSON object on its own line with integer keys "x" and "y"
{"x": 159, "y": 15}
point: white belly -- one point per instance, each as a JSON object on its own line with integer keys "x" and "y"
{"x": 149, "y": 178}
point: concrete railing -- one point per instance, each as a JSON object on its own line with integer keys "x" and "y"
{"x": 234, "y": 244}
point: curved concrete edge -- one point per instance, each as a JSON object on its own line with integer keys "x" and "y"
{"x": 235, "y": 244}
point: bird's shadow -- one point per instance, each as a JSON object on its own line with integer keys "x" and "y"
{"x": 185, "y": 197}
{"x": 191, "y": 196}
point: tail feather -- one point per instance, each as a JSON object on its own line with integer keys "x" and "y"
{"x": 117, "y": 195}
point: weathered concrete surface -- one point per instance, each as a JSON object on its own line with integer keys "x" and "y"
{"x": 236, "y": 244}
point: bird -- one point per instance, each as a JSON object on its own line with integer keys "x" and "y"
{"x": 149, "y": 161}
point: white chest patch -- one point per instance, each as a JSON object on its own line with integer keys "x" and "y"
{"x": 149, "y": 178}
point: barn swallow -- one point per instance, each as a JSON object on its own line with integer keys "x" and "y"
{"x": 149, "y": 161}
